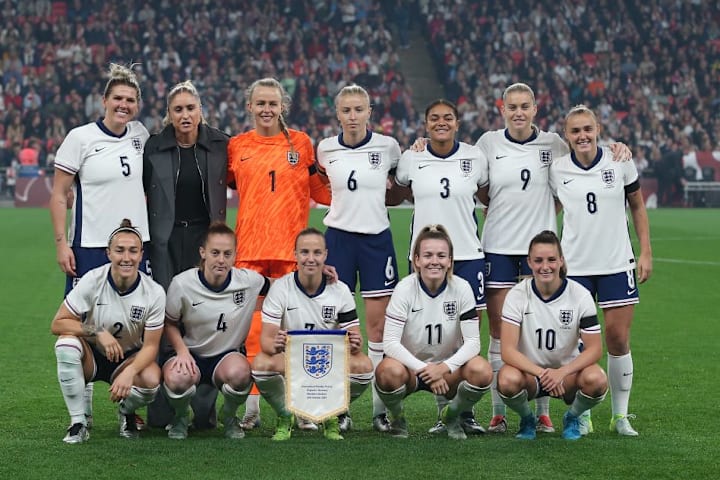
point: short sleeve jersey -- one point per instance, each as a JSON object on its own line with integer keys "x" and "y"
{"x": 358, "y": 178}
{"x": 521, "y": 203}
{"x": 215, "y": 320}
{"x": 431, "y": 324}
{"x": 108, "y": 184}
{"x": 444, "y": 190}
{"x": 595, "y": 235}
{"x": 550, "y": 329}
{"x": 273, "y": 185}
{"x": 96, "y": 300}
{"x": 290, "y": 307}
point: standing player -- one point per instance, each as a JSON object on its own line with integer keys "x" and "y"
{"x": 544, "y": 317}
{"x": 359, "y": 164}
{"x": 444, "y": 180}
{"x": 300, "y": 301}
{"x": 432, "y": 337}
{"x": 593, "y": 190}
{"x": 213, "y": 304}
{"x": 109, "y": 328}
{"x": 273, "y": 169}
{"x": 101, "y": 163}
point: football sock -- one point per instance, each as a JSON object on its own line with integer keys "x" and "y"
{"x": 582, "y": 402}
{"x": 441, "y": 401}
{"x": 68, "y": 351}
{"x": 138, "y": 397}
{"x": 519, "y": 403}
{"x": 393, "y": 400}
{"x": 542, "y": 406}
{"x": 467, "y": 395}
{"x": 252, "y": 405}
{"x": 179, "y": 401}
{"x": 233, "y": 399}
{"x": 88, "y": 398}
{"x": 272, "y": 388}
{"x": 620, "y": 375}
{"x": 375, "y": 353}
{"x": 496, "y": 363}
{"x": 359, "y": 383}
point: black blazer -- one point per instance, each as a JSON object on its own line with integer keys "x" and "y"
{"x": 160, "y": 168}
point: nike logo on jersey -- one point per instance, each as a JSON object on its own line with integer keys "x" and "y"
{"x": 413, "y": 310}
{"x": 632, "y": 292}
{"x": 565, "y": 182}
{"x": 528, "y": 313}
{"x": 292, "y": 308}
{"x": 244, "y": 158}
{"x": 195, "y": 304}
{"x": 100, "y": 304}
{"x": 420, "y": 167}
{"x": 498, "y": 157}
{"x": 333, "y": 160}
{"x": 99, "y": 149}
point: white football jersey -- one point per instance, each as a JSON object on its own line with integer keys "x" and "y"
{"x": 288, "y": 306}
{"x": 108, "y": 181}
{"x": 215, "y": 321}
{"x": 444, "y": 190}
{"x": 550, "y": 329}
{"x": 358, "y": 179}
{"x": 421, "y": 328}
{"x": 595, "y": 235}
{"x": 521, "y": 203}
{"x": 127, "y": 315}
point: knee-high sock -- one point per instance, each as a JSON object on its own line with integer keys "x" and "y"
{"x": 88, "y": 397}
{"x": 542, "y": 406}
{"x": 233, "y": 399}
{"x": 620, "y": 375}
{"x": 495, "y": 359}
{"x": 180, "y": 401}
{"x": 252, "y": 404}
{"x": 138, "y": 397}
{"x": 582, "y": 403}
{"x": 519, "y": 403}
{"x": 375, "y": 354}
{"x": 68, "y": 352}
{"x": 358, "y": 384}
{"x": 393, "y": 400}
{"x": 441, "y": 401}
{"x": 272, "y": 388}
{"x": 467, "y": 395}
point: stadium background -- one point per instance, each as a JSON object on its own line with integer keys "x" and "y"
{"x": 664, "y": 108}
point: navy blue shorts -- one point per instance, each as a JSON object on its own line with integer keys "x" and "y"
{"x": 207, "y": 365}
{"x": 371, "y": 256}
{"x": 104, "y": 368}
{"x": 88, "y": 258}
{"x": 473, "y": 271}
{"x": 504, "y": 271}
{"x": 613, "y": 290}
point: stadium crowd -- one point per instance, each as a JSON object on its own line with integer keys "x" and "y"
{"x": 651, "y": 71}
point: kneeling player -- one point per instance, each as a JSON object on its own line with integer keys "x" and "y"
{"x": 109, "y": 328}
{"x": 214, "y": 305}
{"x": 296, "y": 302}
{"x": 543, "y": 319}
{"x": 432, "y": 337}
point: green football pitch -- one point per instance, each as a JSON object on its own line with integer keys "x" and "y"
{"x": 675, "y": 394}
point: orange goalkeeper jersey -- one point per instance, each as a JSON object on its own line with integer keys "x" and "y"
{"x": 274, "y": 187}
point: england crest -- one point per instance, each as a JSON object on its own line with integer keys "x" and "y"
{"x": 137, "y": 144}
{"x": 239, "y": 298}
{"x": 137, "y": 313}
{"x": 375, "y": 159}
{"x": 293, "y": 158}
{"x": 466, "y": 167}
{"x": 317, "y": 359}
{"x": 608, "y": 176}
{"x": 328, "y": 313}
{"x": 566, "y": 317}
{"x": 545, "y": 157}
{"x": 450, "y": 308}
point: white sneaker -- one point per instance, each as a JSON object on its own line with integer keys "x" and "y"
{"x": 345, "y": 422}
{"x": 438, "y": 428}
{"x": 621, "y": 424}
{"x": 250, "y": 421}
{"x": 586, "y": 425}
{"x": 76, "y": 433}
{"x": 306, "y": 425}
